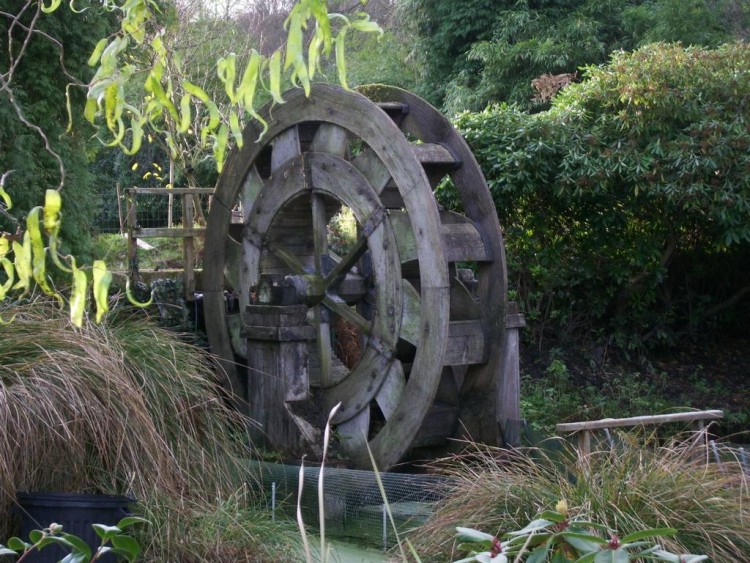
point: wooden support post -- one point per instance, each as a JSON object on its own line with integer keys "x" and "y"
{"x": 132, "y": 223}
{"x": 277, "y": 374}
{"x": 509, "y": 389}
{"x": 188, "y": 249}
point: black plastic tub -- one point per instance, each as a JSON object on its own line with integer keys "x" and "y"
{"x": 76, "y": 512}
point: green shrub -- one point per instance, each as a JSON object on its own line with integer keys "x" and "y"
{"x": 626, "y": 207}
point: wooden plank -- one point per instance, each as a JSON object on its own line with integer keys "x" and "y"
{"x": 285, "y": 147}
{"x": 372, "y": 168}
{"x": 353, "y": 433}
{"x": 440, "y": 423}
{"x": 331, "y": 139}
{"x": 434, "y": 154}
{"x": 466, "y": 344}
{"x": 391, "y": 390}
{"x": 509, "y": 387}
{"x": 462, "y": 241}
{"x": 168, "y": 191}
{"x": 411, "y": 320}
{"x": 188, "y": 250}
{"x": 170, "y": 233}
{"x": 639, "y": 420}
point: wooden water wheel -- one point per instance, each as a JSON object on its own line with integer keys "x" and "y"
{"x": 385, "y": 322}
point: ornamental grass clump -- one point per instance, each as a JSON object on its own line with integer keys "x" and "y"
{"x": 122, "y": 407}
{"x": 639, "y": 484}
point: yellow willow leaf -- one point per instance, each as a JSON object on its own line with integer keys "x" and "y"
{"x": 54, "y": 5}
{"x": 52, "y": 206}
{"x": 6, "y": 198}
{"x": 274, "y": 73}
{"x": 10, "y": 274}
{"x": 78, "y": 297}
{"x": 4, "y": 246}
{"x": 54, "y": 253}
{"x": 161, "y": 101}
{"x": 89, "y": 111}
{"x": 320, "y": 12}
{"x": 110, "y": 106}
{"x": 184, "y": 124}
{"x": 249, "y": 83}
{"x": 340, "y": 57}
{"x": 234, "y": 125}
{"x": 220, "y": 146}
{"x": 226, "y": 70}
{"x": 22, "y": 262}
{"x": 38, "y": 253}
{"x": 133, "y": 300}
{"x": 102, "y": 280}
{"x": 294, "y": 23}
{"x": 97, "y": 52}
{"x": 136, "y": 130}
{"x": 313, "y": 54}
{"x": 366, "y": 26}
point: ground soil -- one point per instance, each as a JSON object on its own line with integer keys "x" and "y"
{"x": 713, "y": 375}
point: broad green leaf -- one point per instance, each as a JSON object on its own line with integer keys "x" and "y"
{"x": 539, "y": 555}
{"x": 76, "y": 557}
{"x": 17, "y": 544}
{"x": 106, "y": 532}
{"x": 78, "y": 544}
{"x": 102, "y": 279}
{"x": 35, "y": 536}
{"x": 552, "y": 516}
{"x": 612, "y": 556}
{"x": 472, "y": 535}
{"x": 533, "y": 526}
{"x": 652, "y": 533}
{"x": 130, "y": 520}
{"x": 126, "y": 544}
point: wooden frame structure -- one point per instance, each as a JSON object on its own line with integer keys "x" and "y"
{"x": 435, "y": 355}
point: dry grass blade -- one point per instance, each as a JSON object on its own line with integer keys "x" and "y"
{"x": 124, "y": 407}
{"x": 640, "y": 484}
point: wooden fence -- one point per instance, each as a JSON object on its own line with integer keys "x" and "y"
{"x": 188, "y": 232}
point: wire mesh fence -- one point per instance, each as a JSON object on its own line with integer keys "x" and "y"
{"x": 353, "y": 505}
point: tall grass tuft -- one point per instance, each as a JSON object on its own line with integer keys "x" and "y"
{"x": 639, "y": 484}
{"x": 124, "y": 407}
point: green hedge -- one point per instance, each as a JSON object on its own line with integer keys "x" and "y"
{"x": 626, "y": 206}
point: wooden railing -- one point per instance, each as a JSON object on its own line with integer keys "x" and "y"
{"x": 584, "y": 429}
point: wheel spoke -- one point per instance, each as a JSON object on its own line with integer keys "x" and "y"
{"x": 353, "y": 432}
{"x": 372, "y": 168}
{"x": 347, "y": 262}
{"x": 288, "y": 259}
{"x": 337, "y": 306}
{"x": 323, "y": 343}
{"x": 320, "y": 231}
